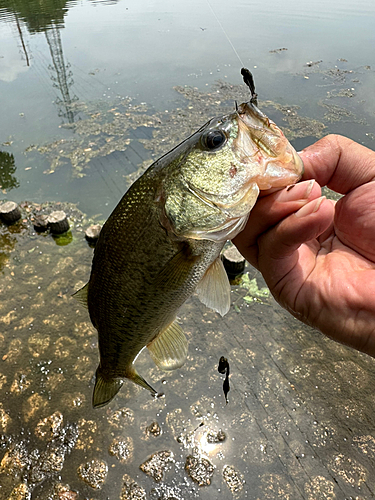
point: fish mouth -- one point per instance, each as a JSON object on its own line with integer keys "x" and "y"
{"x": 262, "y": 143}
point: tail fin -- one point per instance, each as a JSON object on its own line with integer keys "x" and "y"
{"x": 105, "y": 389}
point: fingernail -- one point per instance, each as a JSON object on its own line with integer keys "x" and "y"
{"x": 309, "y": 188}
{"x": 310, "y": 208}
{"x": 295, "y": 192}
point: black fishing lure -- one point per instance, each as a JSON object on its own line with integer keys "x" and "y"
{"x": 249, "y": 81}
{"x": 224, "y": 368}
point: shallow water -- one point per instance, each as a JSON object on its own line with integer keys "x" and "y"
{"x": 299, "y": 423}
{"x": 91, "y": 92}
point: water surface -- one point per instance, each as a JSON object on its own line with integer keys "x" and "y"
{"x": 57, "y": 53}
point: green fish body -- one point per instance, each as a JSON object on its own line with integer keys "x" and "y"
{"x": 163, "y": 240}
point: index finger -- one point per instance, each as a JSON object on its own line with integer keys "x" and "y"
{"x": 338, "y": 163}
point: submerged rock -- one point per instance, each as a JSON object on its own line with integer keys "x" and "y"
{"x": 121, "y": 417}
{"x": 131, "y": 490}
{"x": 215, "y": 437}
{"x": 15, "y": 459}
{"x": 233, "y": 479}
{"x": 34, "y": 466}
{"x": 153, "y": 429}
{"x": 200, "y": 469}
{"x": 49, "y": 427}
{"x": 93, "y": 473}
{"x": 122, "y": 448}
{"x": 4, "y": 417}
{"x": 156, "y": 465}
{"x": 20, "y": 492}
{"x": 87, "y": 434}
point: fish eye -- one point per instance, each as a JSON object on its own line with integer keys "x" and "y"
{"x": 214, "y": 139}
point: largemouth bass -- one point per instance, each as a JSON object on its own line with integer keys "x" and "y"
{"x": 163, "y": 240}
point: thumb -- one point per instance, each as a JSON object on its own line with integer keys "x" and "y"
{"x": 288, "y": 252}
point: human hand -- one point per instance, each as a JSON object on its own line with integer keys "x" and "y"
{"x": 318, "y": 256}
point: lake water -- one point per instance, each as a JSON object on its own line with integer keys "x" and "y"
{"x": 97, "y": 54}
{"x": 91, "y": 92}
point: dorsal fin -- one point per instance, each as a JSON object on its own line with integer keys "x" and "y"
{"x": 169, "y": 348}
{"x": 214, "y": 288}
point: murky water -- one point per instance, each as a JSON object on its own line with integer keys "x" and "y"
{"x": 91, "y": 92}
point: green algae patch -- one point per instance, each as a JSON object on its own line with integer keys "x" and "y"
{"x": 254, "y": 292}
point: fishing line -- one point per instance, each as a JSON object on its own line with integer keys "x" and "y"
{"x": 225, "y": 33}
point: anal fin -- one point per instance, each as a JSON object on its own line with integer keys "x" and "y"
{"x": 169, "y": 349}
{"x": 137, "y": 379}
{"x": 214, "y": 288}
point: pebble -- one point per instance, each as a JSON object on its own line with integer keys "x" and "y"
{"x": 154, "y": 429}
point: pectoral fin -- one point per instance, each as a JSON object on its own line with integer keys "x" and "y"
{"x": 177, "y": 270}
{"x": 81, "y": 295}
{"x": 214, "y": 288}
{"x": 169, "y": 348}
